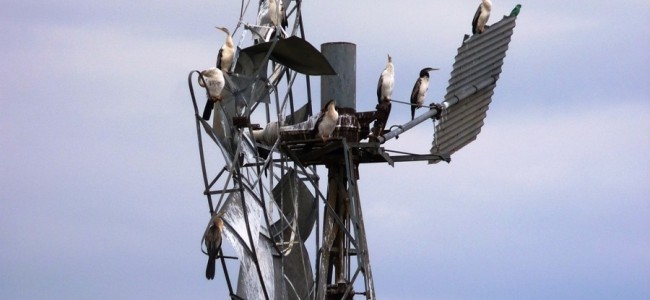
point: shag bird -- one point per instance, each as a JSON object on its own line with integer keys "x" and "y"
{"x": 515, "y": 11}
{"x": 226, "y": 53}
{"x": 420, "y": 90}
{"x": 214, "y": 83}
{"x": 386, "y": 82}
{"x": 271, "y": 14}
{"x": 212, "y": 240}
{"x": 481, "y": 16}
{"x": 326, "y": 122}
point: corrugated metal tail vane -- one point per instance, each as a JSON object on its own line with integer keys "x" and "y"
{"x": 473, "y": 79}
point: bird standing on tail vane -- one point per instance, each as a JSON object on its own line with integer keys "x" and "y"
{"x": 481, "y": 17}
{"x": 271, "y": 14}
{"x": 420, "y": 90}
{"x": 214, "y": 83}
{"x": 226, "y": 53}
{"x": 326, "y": 122}
{"x": 515, "y": 11}
{"x": 386, "y": 82}
{"x": 212, "y": 240}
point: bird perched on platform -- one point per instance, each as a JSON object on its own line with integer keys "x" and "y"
{"x": 226, "y": 53}
{"x": 326, "y": 122}
{"x": 481, "y": 16}
{"x": 420, "y": 90}
{"x": 271, "y": 14}
{"x": 386, "y": 82}
{"x": 214, "y": 84}
{"x": 212, "y": 239}
{"x": 515, "y": 11}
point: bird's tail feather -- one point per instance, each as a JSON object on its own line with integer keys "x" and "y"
{"x": 210, "y": 269}
{"x": 207, "y": 111}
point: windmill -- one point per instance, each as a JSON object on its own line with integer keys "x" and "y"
{"x": 271, "y": 200}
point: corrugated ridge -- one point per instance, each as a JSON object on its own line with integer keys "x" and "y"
{"x": 480, "y": 57}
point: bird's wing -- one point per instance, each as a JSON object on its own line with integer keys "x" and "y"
{"x": 475, "y": 20}
{"x": 283, "y": 11}
{"x": 314, "y": 132}
{"x": 416, "y": 89}
{"x": 219, "y": 59}
{"x": 381, "y": 78}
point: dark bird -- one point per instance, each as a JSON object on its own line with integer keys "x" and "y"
{"x": 226, "y": 53}
{"x": 386, "y": 82}
{"x": 515, "y": 11}
{"x": 326, "y": 122}
{"x": 420, "y": 90}
{"x": 481, "y": 16}
{"x": 213, "y": 81}
{"x": 212, "y": 240}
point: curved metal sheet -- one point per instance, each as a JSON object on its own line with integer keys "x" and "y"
{"x": 297, "y": 204}
{"x": 295, "y": 53}
{"x": 294, "y": 275}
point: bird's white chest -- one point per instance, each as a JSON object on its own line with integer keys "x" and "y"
{"x": 215, "y": 84}
{"x": 388, "y": 82}
{"x": 328, "y": 123}
{"x": 422, "y": 93}
{"x": 227, "y": 54}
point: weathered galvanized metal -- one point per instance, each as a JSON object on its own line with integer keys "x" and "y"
{"x": 341, "y": 87}
{"x": 473, "y": 79}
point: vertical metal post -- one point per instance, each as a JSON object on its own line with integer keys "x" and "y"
{"x": 341, "y": 87}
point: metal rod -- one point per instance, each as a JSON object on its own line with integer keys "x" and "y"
{"x": 458, "y": 97}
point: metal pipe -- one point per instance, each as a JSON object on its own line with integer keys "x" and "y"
{"x": 342, "y": 86}
{"x": 458, "y": 97}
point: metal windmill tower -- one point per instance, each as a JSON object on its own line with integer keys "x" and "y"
{"x": 268, "y": 192}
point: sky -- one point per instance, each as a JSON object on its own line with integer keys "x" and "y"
{"x": 101, "y": 187}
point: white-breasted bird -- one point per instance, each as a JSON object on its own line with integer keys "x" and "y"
{"x": 226, "y": 53}
{"x": 386, "y": 82}
{"x": 271, "y": 14}
{"x": 212, "y": 240}
{"x": 326, "y": 122}
{"x": 420, "y": 90}
{"x": 214, "y": 84}
{"x": 481, "y": 16}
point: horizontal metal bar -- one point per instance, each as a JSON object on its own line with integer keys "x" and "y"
{"x": 463, "y": 94}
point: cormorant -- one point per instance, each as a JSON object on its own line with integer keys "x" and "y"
{"x": 420, "y": 90}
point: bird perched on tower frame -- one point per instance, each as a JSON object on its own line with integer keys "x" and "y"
{"x": 481, "y": 17}
{"x": 326, "y": 122}
{"x": 420, "y": 89}
{"x": 271, "y": 14}
{"x": 226, "y": 54}
{"x": 212, "y": 239}
{"x": 386, "y": 82}
{"x": 213, "y": 81}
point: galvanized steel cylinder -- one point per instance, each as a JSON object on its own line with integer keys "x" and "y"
{"x": 343, "y": 86}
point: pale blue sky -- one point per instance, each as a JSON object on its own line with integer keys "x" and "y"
{"x": 101, "y": 190}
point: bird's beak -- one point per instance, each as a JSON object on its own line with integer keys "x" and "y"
{"x": 432, "y": 69}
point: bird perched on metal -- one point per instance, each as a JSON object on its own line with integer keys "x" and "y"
{"x": 481, "y": 16}
{"x": 326, "y": 122}
{"x": 515, "y": 11}
{"x": 213, "y": 81}
{"x": 386, "y": 82}
{"x": 420, "y": 90}
{"x": 226, "y": 53}
{"x": 212, "y": 239}
{"x": 271, "y": 14}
